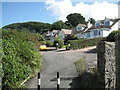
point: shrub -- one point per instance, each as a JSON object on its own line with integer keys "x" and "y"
{"x": 80, "y": 65}
{"x": 49, "y": 43}
{"x": 59, "y": 41}
{"x": 20, "y": 59}
{"x": 82, "y": 43}
{"x": 42, "y": 42}
{"x": 112, "y": 35}
{"x": 71, "y": 37}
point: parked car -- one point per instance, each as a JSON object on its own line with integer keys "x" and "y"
{"x": 43, "y": 47}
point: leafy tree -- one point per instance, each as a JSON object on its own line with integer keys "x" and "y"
{"x": 59, "y": 25}
{"x": 75, "y": 19}
{"x": 92, "y": 21}
{"x": 59, "y": 41}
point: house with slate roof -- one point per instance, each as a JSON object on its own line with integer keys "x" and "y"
{"x": 64, "y": 32}
{"x": 49, "y": 35}
{"x": 102, "y": 28}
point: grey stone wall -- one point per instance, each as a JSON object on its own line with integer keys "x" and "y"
{"x": 117, "y": 54}
{"x": 106, "y": 64}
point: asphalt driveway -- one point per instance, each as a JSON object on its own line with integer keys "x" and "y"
{"x": 61, "y": 61}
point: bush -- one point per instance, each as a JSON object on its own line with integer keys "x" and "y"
{"x": 42, "y": 42}
{"x": 82, "y": 43}
{"x": 59, "y": 41}
{"x": 80, "y": 65}
{"x": 49, "y": 43}
{"x": 112, "y": 35}
{"x": 20, "y": 59}
{"x": 71, "y": 37}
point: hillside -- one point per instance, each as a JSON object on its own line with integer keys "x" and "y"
{"x": 34, "y": 27}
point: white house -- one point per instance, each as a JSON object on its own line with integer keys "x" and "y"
{"x": 101, "y": 28}
{"x": 80, "y": 28}
{"x": 50, "y": 35}
{"x": 64, "y": 32}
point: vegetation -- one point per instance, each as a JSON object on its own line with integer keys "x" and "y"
{"x": 34, "y": 27}
{"x": 37, "y": 27}
{"x": 82, "y": 43}
{"x": 20, "y": 59}
{"x": 92, "y": 21}
{"x": 80, "y": 65}
{"x": 59, "y": 25}
{"x": 71, "y": 37}
{"x": 59, "y": 41}
{"x": 75, "y": 19}
{"x": 49, "y": 43}
{"x": 112, "y": 35}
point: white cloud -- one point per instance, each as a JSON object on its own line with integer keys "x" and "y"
{"x": 97, "y": 10}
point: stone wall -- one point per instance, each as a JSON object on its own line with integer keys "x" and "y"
{"x": 117, "y": 54}
{"x": 106, "y": 64}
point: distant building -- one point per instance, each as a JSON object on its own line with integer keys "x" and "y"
{"x": 64, "y": 32}
{"x": 50, "y": 35}
{"x": 102, "y": 28}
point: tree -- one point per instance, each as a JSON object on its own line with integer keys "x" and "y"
{"x": 75, "y": 19}
{"x": 92, "y": 21}
{"x": 59, "y": 25}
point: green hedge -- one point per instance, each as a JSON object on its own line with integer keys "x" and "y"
{"x": 49, "y": 43}
{"x": 20, "y": 59}
{"x": 112, "y": 35}
{"x": 80, "y": 65}
{"x": 82, "y": 43}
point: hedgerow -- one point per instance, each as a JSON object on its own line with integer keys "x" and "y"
{"x": 82, "y": 43}
{"x": 20, "y": 59}
{"x": 112, "y": 35}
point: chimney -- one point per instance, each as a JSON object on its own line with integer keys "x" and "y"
{"x": 48, "y": 32}
{"x": 105, "y": 18}
{"x": 89, "y": 24}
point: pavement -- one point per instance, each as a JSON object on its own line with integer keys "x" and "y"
{"x": 62, "y": 61}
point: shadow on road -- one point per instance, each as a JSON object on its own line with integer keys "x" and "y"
{"x": 86, "y": 80}
{"x": 91, "y": 51}
{"x": 63, "y": 78}
{"x": 61, "y": 50}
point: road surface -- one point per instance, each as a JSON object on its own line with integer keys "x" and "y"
{"x": 61, "y": 61}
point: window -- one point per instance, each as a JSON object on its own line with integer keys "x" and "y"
{"x": 61, "y": 37}
{"x": 88, "y": 35}
{"x": 78, "y": 35}
{"x": 97, "y": 24}
{"x": 79, "y": 28}
{"x": 52, "y": 39}
{"x": 95, "y": 32}
{"x": 99, "y": 33}
{"x": 51, "y": 34}
{"x": 107, "y": 22}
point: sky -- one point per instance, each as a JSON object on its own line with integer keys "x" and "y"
{"x": 50, "y": 11}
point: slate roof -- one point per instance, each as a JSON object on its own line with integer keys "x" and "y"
{"x": 103, "y": 26}
{"x": 66, "y": 31}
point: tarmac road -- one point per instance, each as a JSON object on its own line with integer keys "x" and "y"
{"x": 61, "y": 61}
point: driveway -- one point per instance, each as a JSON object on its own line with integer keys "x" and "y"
{"x": 62, "y": 61}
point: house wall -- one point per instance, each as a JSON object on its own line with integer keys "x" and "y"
{"x": 105, "y": 33}
{"x": 61, "y": 33}
{"x": 79, "y": 26}
{"x": 115, "y": 27}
